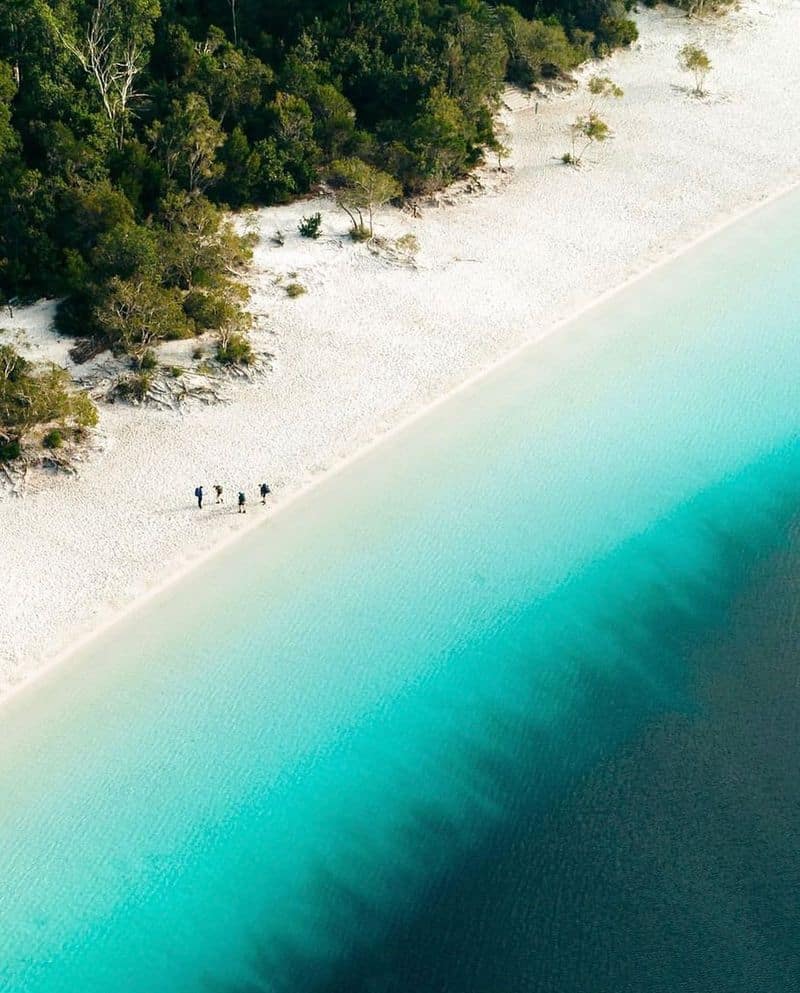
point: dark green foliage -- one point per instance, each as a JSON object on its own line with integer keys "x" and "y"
{"x": 107, "y": 191}
{"x": 148, "y": 360}
{"x": 235, "y": 350}
{"x": 135, "y": 387}
{"x": 9, "y": 451}
{"x": 53, "y": 439}
{"x": 309, "y": 227}
{"x": 614, "y": 32}
{"x": 536, "y": 50}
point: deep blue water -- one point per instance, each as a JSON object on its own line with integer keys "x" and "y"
{"x": 509, "y": 704}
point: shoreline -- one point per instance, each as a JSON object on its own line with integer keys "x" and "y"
{"x": 372, "y": 348}
{"x": 308, "y": 489}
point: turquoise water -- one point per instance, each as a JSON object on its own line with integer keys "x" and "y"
{"x": 345, "y": 751}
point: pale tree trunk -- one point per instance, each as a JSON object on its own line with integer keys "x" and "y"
{"x": 114, "y": 71}
{"x": 234, "y": 4}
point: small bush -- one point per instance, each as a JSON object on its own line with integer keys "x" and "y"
{"x": 53, "y": 439}
{"x": 360, "y": 232}
{"x": 569, "y": 159}
{"x": 295, "y": 290}
{"x": 207, "y": 310}
{"x": 135, "y": 387}
{"x": 147, "y": 361}
{"x": 408, "y": 243}
{"x": 176, "y": 371}
{"x": 235, "y": 350}
{"x": 197, "y": 353}
{"x": 310, "y": 227}
{"x": 616, "y": 31}
{"x": 9, "y": 451}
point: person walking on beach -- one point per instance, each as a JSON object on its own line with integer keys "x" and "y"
{"x": 264, "y": 490}
{"x": 199, "y": 494}
{"x": 218, "y": 491}
{"x": 242, "y": 507}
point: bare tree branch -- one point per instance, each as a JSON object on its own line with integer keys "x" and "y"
{"x": 113, "y": 63}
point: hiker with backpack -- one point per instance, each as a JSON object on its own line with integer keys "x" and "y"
{"x": 242, "y": 507}
{"x": 264, "y": 490}
{"x": 199, "y": 494}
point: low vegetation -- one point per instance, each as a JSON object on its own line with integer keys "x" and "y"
{"x": 591, "y": 128}
{"x": 39, "y": 407}
{"x": 695, "y": 60}
{"x": 310, "y": 227}
{"x": 697, "y": 8}
{"x": 235, "y": 350}
{"x": 360, "y": 189}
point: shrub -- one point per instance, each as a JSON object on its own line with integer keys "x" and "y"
{"x": 235, "y": 350}
{"x": 408, "y": 243}
{"x": 616, "y": 31}
{"x": 310, "y": 227}
{"x": 9, "y": 451}
{"x": 135, "y": 387}
{"x": 148, "y": 360}
{"x": 53, "y": 439}
{"x": 197, "y": 353}
{"x": 203, "y": 308}
{"x": 34, "y": 395}
{"x": 536, "y": 49}
{"x": 360, "y": 189}
{"x": 695, "y": 60}
{"x": 295, "y": 290}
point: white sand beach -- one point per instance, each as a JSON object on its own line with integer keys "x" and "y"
{"x": 372, "y": 342}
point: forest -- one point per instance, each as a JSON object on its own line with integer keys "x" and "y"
{"x": 128, "y": 129}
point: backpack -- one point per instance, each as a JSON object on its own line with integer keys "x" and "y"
{"x": 197, "y": 491}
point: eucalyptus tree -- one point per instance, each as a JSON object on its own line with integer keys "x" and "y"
{"x": 360, "y": 189}
{"x": 112, "y": 50}
{"x": 586, "y": 130}
{"x": 590, "y": 127}
{"x": 695, "y": 60}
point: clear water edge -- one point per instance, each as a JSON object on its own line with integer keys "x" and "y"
{"x": 311, "y": 718}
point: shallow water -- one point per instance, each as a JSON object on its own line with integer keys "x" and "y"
{"x": 510, "y": 703}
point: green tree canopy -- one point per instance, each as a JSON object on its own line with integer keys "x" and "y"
{"x": 360, "y": 189}
{"x": 126, "y": 124}
{"x": 695, "y": 60}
